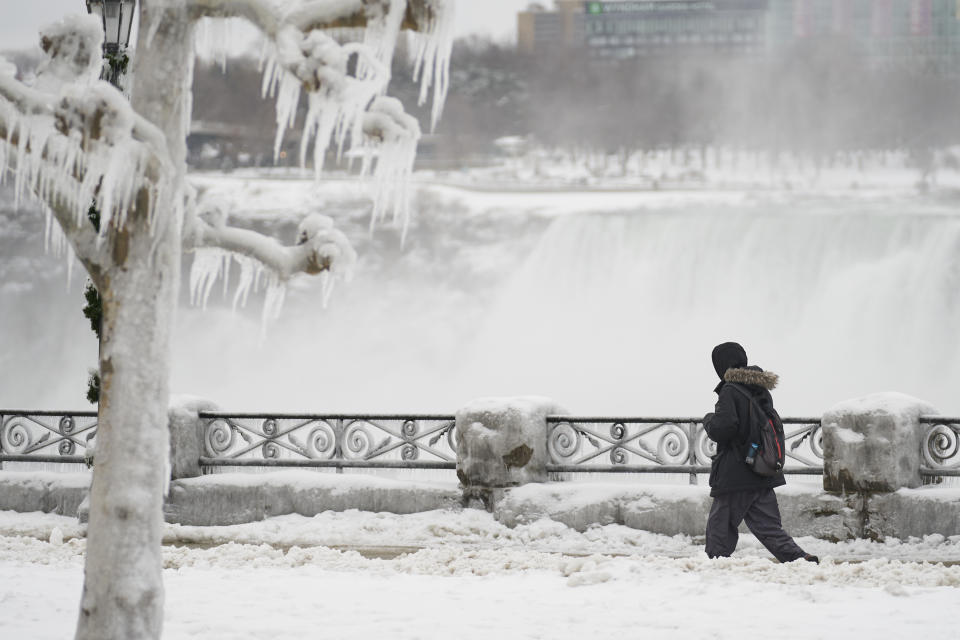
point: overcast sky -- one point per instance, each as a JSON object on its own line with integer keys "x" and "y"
{"x": 23, "y": 19}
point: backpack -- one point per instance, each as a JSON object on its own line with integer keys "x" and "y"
{"x": 765, "y": 452}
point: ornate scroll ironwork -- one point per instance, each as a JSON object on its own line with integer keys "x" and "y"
{"x": 663, "y": 445}
{"x": 940, "y": 446}
{"x": 389, "y": 441}
{"x": 804, "y": 440}
{"x": 46, "y": 436}
{"x": 603, "y": 444}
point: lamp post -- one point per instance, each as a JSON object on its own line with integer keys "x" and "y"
{"x": 116, "y": 16}
{"x": 117, "y": 19}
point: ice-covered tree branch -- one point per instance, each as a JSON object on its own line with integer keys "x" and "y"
{"x": 262, "y": 14}
{"x": 81, "y": 235}
{"x": 22, "y": 98}
{"x": 320, "y": 249}
{"x": 308, "y": 15}
{"x": 345, "y": 82}
{"x": 73, "y": 140}
{"x": 319, "y": 246}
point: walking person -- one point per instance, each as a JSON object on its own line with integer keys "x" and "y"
{"x": 739, "y": 493}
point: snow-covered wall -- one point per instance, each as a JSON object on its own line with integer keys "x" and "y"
{"x": 234, "y": 498}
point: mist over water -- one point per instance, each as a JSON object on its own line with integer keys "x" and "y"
{"x": 614, "y": 312}
{"x": 612, "y": 309}
{"x": 620, "y": 311}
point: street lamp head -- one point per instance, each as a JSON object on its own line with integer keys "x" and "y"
{"x": 117, "y": 19}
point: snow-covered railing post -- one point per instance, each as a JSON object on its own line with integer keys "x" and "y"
{"x": 501, "y": 443}
{"x": 873, "y": 444}
{"x": 187, "y": 435}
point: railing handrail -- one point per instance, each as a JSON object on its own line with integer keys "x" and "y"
{"x": 659, "y": 420}
{"x": 86, "y": 413}
{"x": 326, "y": 464}
{"x": 325, "y": 416}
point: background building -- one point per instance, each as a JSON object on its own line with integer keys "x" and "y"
{"x": 914, "y": 33}
{"x": 669, "y": 27}
{"x": 540, "y": 29}
{"x": 891, "y": 33}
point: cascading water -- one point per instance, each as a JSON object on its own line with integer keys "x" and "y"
{"x": 609, "y": 303}
{"x": 618, "y": 312}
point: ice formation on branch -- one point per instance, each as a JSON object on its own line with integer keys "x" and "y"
{"x": 347, "y": 108}
{"x": 73, "y": 48}
{"x": 392, "y": 136}
{"x": 431, "y": 58}
{"x": 75, "y": 139}
{"x": 264, "y": 264}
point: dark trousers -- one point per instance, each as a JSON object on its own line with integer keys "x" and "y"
{"x": 762, "y": 514}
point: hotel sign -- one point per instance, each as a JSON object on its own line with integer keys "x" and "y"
{"x": 644, "y": 6}
{"x": 598, "y": 8}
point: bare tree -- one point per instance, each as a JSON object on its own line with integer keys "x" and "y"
{"x": 72, "y": 139}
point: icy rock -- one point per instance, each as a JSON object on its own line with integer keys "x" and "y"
{"x": 186, "y": 435}
{"x": 872, "y": 444}
{"x": 502, "y": 442}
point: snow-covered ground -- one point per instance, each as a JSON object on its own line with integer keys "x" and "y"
{"x": 460, "y": 573}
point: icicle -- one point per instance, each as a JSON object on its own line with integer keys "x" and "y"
{"x": 208, "y": 265}
{"x": 212, "y": 40}
{"x": 380, "y": 37}
{"x": 288, "y": 96}
{"x": 249, "y": 270}
{"x": 273, "y": 300}
{"x": 432, "y": 58}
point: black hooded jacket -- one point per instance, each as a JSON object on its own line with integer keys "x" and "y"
{"x": 729, "y": 424}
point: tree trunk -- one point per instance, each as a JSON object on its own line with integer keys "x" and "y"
{"x": 123, "y": 589}
{"x": 123, "y": 586}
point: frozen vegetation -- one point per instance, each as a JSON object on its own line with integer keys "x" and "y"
{"x": 110, "y": 173}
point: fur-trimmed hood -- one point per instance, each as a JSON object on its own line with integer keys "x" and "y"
{"x": 753, "y": 376}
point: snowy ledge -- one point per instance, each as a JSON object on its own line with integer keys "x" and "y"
{"x": 234, "y": 498}
{"x": 805, "y": 508}
{"x": 45, "y": 491}
{"x": 237, "y": 498}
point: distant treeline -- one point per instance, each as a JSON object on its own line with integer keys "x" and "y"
{"x": 817, "y": 99}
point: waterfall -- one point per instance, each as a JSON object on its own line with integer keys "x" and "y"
{"x": 618, "y": 312}
{"x": 608, "y": 303}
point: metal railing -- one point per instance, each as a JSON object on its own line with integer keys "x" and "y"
{"x": 339, "y": 441}
{"x": 940, "y": 447}
{"x": 420, "y": 441}
{"x": 661, "y": 445}
{"x": 47, "y": 436}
